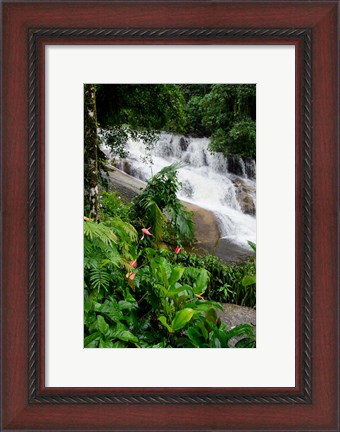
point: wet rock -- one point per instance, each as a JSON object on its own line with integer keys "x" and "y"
{"x": 184, "y": 143}
{"x": 206, "y": 226}
{"x": 250, "y": 168}
{"x": 245, "y": 194}
{"x": 236, "y": 165}
{"x": 234, "y": 315}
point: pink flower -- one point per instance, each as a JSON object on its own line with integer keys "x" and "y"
{"x": 178, "y": 250}
{"x": 146, "y": 231}
{"x": 133, "y": 263}
{"x": 130, "y": 275}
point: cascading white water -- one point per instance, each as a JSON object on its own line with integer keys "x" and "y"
{"x": 205, "y": 180}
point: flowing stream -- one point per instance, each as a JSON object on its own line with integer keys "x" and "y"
{"x": 224, "y": 186}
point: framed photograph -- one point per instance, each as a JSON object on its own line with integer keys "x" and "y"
{"x": 127, "y": 126}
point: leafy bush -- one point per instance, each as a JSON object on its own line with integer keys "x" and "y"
{"x": 156, "y": 304}
{"x": 106, "y": 249}
{"x": 226, "y": 283}
{"x": 157, "y": 206}
{"x": 226, "y": 113}
{"x": 113, "y": 206}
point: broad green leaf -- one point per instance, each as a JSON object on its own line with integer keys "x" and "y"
{"x": 195, "y": 336}
{"x": 105, "y": 344}
{"x": 114, "y": 314}
{"x": 127, "y": 305}
{"x": 179, "y": 290}
{"x": 211, "y": 315}
{"x": 248, "y": 280}
{"x": 182, "y": 317}
{"x": 203, "y": 329}
{"x": 162, "y": 319}
{"x": 204, "y": 305}
{"x": 213, "y": 303}
{"x": 124, "y": 335}
{"x": 87, "y": 306}
{"x": 176, "y": 274}
{"x": 129, "y": 297}
{"x": 90, "y": 339}
{"x": 93, "y": 344}
{"x": 164, "y": 276}
{"x": 201, "y": 282}
{"x": 118, "y": 344}
{"x": 162, "y": 262}
{"x": 159, "y": 345}
{"x": 97, "y": 306}
{"x": 164, "y": 290}
{"x": 157, "y": 220}
{"x": 103, "y": 326}
{"x": 252, "y": 245}
{"x": 216, "y": 342}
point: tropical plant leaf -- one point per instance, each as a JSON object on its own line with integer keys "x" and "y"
{"x": 248, "y": 280}
{"x": 181, "y": 318}
{"x": 99, "y": 278}
{"x": 201, "y": 283}
{"x": 252, "y": 245}
{"x": 176, "y": 275}
{"x": 103, "y": 326}
{"x": 94, "y": 230}
{"x": 162, "y": 319}
{"x": 156, "y": 219}
{"x": 124, "y": 335}
{"x": 91, "y": 341}
{"x": 105, "y": 344}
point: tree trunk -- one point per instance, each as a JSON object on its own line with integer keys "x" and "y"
{"x": 91, "y": 150}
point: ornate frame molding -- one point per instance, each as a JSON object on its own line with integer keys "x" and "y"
{"x": 101, "y": 34}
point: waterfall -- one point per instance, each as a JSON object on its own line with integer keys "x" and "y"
{"x": 224, "y": 186}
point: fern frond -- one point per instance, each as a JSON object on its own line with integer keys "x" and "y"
{"x": 99, "y": 278}
{"x": 99, "y": 231}
{"x": 125, "y": 230}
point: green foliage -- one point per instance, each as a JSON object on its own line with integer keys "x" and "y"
{"x": 241, "y": 138}
{"x": 137, "y": 296}
{"x": 138, "y": 111}
{"x": 250, "y": 279}
{"x": 160, "y": 306}
{"x": 158, "y": 207}
{"x": 106, "y": 249}
{"x": 224, "y": 112}
{"x": 227, "y": 281}
{"x": 227, "y": 114}
{"x": 150, "y": 107}
{"x": 113, "y": 207}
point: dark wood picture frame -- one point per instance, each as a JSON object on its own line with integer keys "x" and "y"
{"x": 313, "y": 403}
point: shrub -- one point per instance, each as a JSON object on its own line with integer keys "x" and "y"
{"x": 157, "y": 206}
{"x": 226, "y": 280}
{"x": 152, "y": 304}
{"x": 113, "y": 206}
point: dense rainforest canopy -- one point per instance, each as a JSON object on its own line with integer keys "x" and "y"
{"x": 224, "y": 112}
